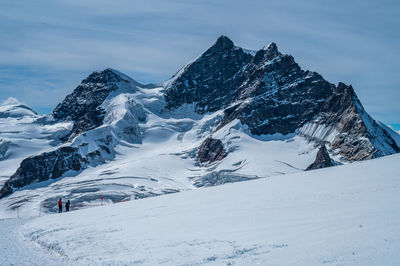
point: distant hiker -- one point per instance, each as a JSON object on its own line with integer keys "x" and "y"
{"x": 67, "y": 206}
{"x": 59, "y": 206}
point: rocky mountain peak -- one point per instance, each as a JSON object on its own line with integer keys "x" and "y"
{"x": 271, "y": 49}
{"x": 270, "y": 93}
{"x": 269, "y": 52}
{"x": 106, "y": 76}
{"x": 222, "y": 43}
{"x": 210, "y": 81}
{"x": 109, "y": 76}
{"x": 83, "y": 105}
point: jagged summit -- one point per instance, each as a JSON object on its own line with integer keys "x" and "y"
{"x": 108, "y": 76}
{"x": 105, "y": 76}
{"x": 266, "y": 54}
{"x": 222, "y": 43}
{"x": 83, "y": 105}
{"x": 210, "y": 80}
{"x": 271, "y": 94}
{"x": 272, "y": 48}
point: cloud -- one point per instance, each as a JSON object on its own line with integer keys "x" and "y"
{"x": 10, "y": 101}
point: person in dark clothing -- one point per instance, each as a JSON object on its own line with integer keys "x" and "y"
{"x": 67, "y": 206}
{"x": 59, "y": 206}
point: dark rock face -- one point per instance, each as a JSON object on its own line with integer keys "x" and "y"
{"x": 283, "y": 97}
{"x": 322, "y": 160}
{"x": 359, "y": 136}
{"x": 83, "y": 105}
{"x": 48, "y": 165}
{"x": 211, "y": 150}
{"x": 211, "y": 80}
{"x": 271, "y": 94}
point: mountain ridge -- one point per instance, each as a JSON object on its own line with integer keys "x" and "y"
{"x": 217, "y": 109}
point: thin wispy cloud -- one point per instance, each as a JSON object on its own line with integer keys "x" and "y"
{"x": 49, "y": 46}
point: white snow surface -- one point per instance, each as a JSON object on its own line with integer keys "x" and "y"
{"x": 19, "y": 250}
{"x": 14, "y": 108}
{"x": 343, "y": 215}
{"x": 24, "y": 133}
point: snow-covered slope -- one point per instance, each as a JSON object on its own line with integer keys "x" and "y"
{"x": 229, "y": 115}
{"x": 345, "y": 215}
{"x": 24, "y": 133}
{"x": 165, "y": 162}
{"x": 13, "y": 108}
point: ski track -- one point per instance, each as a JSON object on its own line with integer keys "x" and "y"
{"x": 15, "y": 249}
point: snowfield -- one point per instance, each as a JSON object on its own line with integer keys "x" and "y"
{"x": 343, "y": 215}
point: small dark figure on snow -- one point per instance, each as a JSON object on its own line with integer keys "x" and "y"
{"x": 67, "y": 206}
{"x": 59, "y": 206}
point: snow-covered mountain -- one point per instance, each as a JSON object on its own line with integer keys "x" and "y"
{"x": 229, "y": 115}
{"x": 23, "y": 133}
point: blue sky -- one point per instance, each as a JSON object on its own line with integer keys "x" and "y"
{"x": 47, "y": 47}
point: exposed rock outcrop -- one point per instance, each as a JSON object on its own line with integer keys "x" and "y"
{"x": 211, "y": 150}
{"x": 356, "y": 135}
{"x": 322, "y": 160}
{"x": 48, "y": 165}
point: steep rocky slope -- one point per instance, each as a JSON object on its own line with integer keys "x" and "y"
{"x": 271, "y": 94}
{"x": 83, "y": 105}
